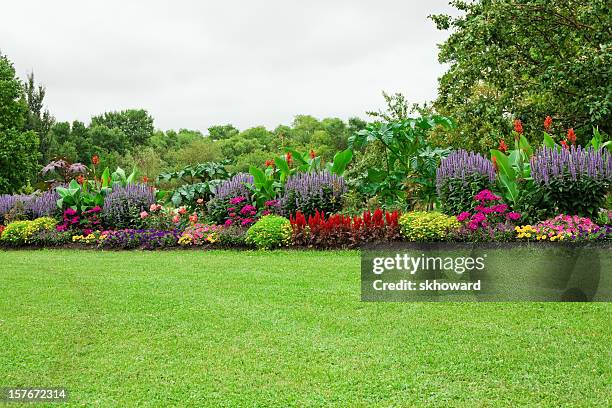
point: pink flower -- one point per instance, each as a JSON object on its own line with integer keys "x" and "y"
{"x": 200, "y": 201}
{"x": 513, "y": 216}
{"x": 246, "y": 221}
{"x": 144, "y": 215}
{"x": 153, "y": 207}
{"x": 182, "y": 210}
{"x": 176, "y": 219}
{"x": 463, "y": 216}
{"x": 232, "y": 214}
{"x": 231, "y": 209}
{"x": 500, "y": 208}
{"x": 193, "y": 218}
{"x": 228, "y": 223}
{"x": 237, "y": 200}
{"x": 486, "y": 195}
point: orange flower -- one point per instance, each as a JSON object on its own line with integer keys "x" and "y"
{"x": 312, "y": 154}
{"x": 571, "y": 136}
{"x": 289, "y": 157}
{"x": 80, "y": 179}
{"x": 269, "y": 163}
{"x": 145, "y": 179}
{"x": 495, "y": 163}
{"x": 95, "y": 160}
{"x": 518, "y": 126}
{"x": 547, "y": 122}
{"x": 502, "y": 146}
{"x": 564, "y": 144}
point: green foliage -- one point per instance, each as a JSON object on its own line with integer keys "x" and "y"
{"x": 457, "y": 195}
{"x": 78, "y": 197}
{"x": 524, "y": 60}
{"x": 38, "y": 120}
{"x": 20, "y": 232}
{"x": 18, "y": 148}
{"x": 271, "y": 231}
{"x": 409, "y": 159}
{"x": 426, "y": 226}
{"x": 195, "y": 182}
{"x": 584, "y": 196}
{"x": 135, "y": 124}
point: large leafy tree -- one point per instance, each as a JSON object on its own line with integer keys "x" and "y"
{"x": 18, "y": 148}
{"x": 136, "y": 125}
{"x": 38, "y": 119}
{"x": 525, "y": 59}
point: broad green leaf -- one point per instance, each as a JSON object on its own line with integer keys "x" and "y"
{"x": 548, "y": 141}
{"x": 341, "y": 160}
{"x": 503, "y": 163}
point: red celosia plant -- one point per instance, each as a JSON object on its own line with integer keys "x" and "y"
{"x": 343, "y": 230}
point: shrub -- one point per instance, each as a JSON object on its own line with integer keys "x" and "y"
{"x": 133, "y": 238}
{"x": 460, "y": 177}
{"x": 312, "y": 192}
{"x": 271, "y": 231}
{"x": 427, "y": 226}
{"x": 234, "y": 187}
{"x": 575, "y": 179}
{"x": 341, "y": 230}
{"x": 122, "y": 207}
{"x": 489, "y": 221}
{"x": 20, "y": 232}
{"x": 51, "y": 238}
{"x": 232, "y": 236}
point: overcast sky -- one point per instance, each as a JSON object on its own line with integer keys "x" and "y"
{"x": 192, "y": 64}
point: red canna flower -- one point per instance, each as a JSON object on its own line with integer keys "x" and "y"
{"x": 312, "y": 154}
{"x": 495, "y": 163}
{"x": 502, "y": 146}
{"x": 547, "y": 122}
{"x": 564, "y": 144}
{"x": 289, "y": 157}
{"x": 80, "y": 179}
{"x": 571, "y": 136}
{"x": 518, "y": 126}
{"x": 269, "y": 163}
{"x": 95, "y": 160}
{"x": 145, "y": 179}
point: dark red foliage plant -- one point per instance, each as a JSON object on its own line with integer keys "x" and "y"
{"x": 344, "y": 231}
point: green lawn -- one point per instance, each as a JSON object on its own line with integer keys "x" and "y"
{"x": 287, "y": 328}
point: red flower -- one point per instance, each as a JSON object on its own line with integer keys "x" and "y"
{"x": 494, "y": 163}
{"x": 547, "y": 122}
{"x": 502, "y": 146}
{"x": 289, "y": 157}
{"x": 269, "y": 163}
{"x": 518, "y": 126}
{"x": 312, "y": 154}
{"x": 571, "y": 136}
{"x": 145, "y": 179}
{"x": 80, "y": 179}
{"x": 564, "y": 144}
{"x": 95, "y": 160}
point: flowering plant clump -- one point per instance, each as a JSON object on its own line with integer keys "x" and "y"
{"x": 88, "y": 221}
{"x": 460, "y": 176}
{"x": 563, "y": 227}
{"x": 427, "y": 226}
{"x": 237, "y": 186}
{"x": 490, "y": 219}
{"x": 337, "y": 231}
{"x": 88, "y": 239}
{"x": 123, "y": 205}
{"x": 575, "y": 179}
{"x": 21, "y": 232}
{"x": 159, "y": 217}
{"x": 312, "y": 192}
{"x": 138, "y": 238}
{"x": 199, "y": 234}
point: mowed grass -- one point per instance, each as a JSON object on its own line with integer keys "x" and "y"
{"x": 286, "y": 328}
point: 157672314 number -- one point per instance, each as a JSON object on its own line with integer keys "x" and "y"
{"x": 33, "y": 394}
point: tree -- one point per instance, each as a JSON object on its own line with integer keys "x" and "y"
{"x": 38, "y": 120}
{"x": 220, "y": 132}
{"x": 397, "y": 108}
{"x": 525, "y": 60}
{"x": 18, "y": 148}
{"x": 135, "y": 124}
